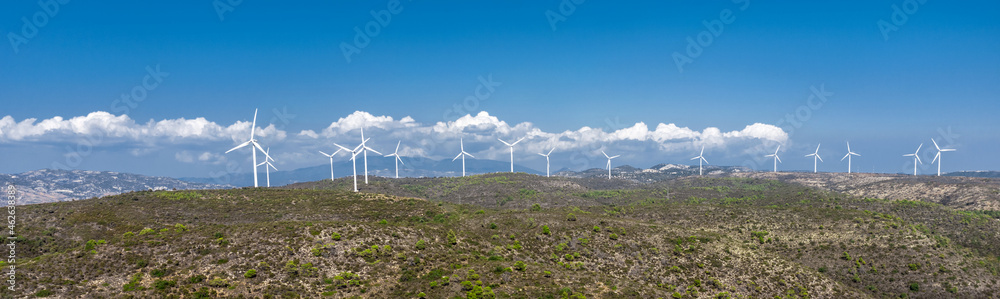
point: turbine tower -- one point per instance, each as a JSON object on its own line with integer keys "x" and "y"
{"x": 354, "y": 160}
{"x": 938, "y": 156}
{"x": 396, "y": 158}
{"x": 916, "y": 158}
{"x": 462, "y": 154}
{"x": 776, "y": 159}
{"x": 609, "y": 162}
{"x": 815, "y": 156}
{"x": 511, "y": 145}
{"x": 331, "y": 161}
{"x": 848, "y": 156}
{"x": 365, "y": 149}
{"x": 267, "y": 164}
{"x": 701, "y": 158}
{"x": 547, "y": 161}
{"x": 253, "y": 149}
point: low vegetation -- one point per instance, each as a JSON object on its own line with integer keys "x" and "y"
{"x": 548, "y": 238}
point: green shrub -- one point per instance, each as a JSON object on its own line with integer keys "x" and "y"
{"x": 158, "y": 273}
{"x": 914, "y": 286}
{"x": 545, "y": 230}
{"x": 822, "y": 269}
{"x": 520, "y": 266}
{"x": 146, "y": 231}
{"x": 597, "y": 229}
{"x": 493, "y": 225}
{"x": 383, "y": 222}
{"x": 480, "y": 212}
{"x": 43, "y": 293}
{"x": 452, "y": 239}
{"x": 570, "y": 217}
{"x": 613, "y": 236}
{"x": 218, "y": 283}
{"x": 127, "y": 235}
{"x": 421, "y": 295}
{"x": 250, "y": 273}
{"x": 335, "y": 236}
{"x": 160, "y": 284}
{"x": 846, "y": 256}
{"x": 536, "y": 207}
{"x": 196, "y": 279}
{"x": 421, "y": 244}
{"x": 180, "y": 228}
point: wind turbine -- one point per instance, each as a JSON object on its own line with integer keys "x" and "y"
{"x": 938, "y": 156}
{"x": 462, "y": 154}
{"x": 331, "y": 161}
{"x": 776, "y": 159}
{"x": 916, "y": 158}
{"x": 354, "y": 160}
{"x": 547, "y": 161}
{"x": 815, "y": 156}
{"x": 848, "y": 157}
{"x": 365, "y": 149}
{"x": 396, "y": 158}
{"x": 701, "y": 159}
{"x": 609, "y": 162}
{"x": 511, "y": 145}
{"x": 256, "y": 145}
{"x": 268, "y": 164}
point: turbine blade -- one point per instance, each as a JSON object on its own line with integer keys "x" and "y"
{"x": 519, "y": 140}
{"x": 253, "y": 125}
{"x": 605, "y": 154}
{"x": 321, "y": 152}
{"x": 397, "y": 146}
{"x": 918, "y": 159}
{"x": 541, "y": 154}
{"x": 779, "y": 159}
{"x": 614, "y": 157}
{"x": 918, "y": 149}
{"x": 368, "y": 148}
{"x": 266, "y": 156}
{"x": 820, "y": 158}
{"x": 400, "y": 160}
{"x": 238, "y": 146}
{"x": 702, "y": 151}
{"x": 456, "y": 157}
{"x": 504, "y": 142}
{"x": 342, "y": 147}
{"x": 845, "y": 156}
{"x": 935, "y": 144}
{"x": 695, "y": 158}
{"x": 703, "y": 159}
{"x": 948, "y": 150}
{"x": 550, "y": 152}
{"x": 470, "y": 155}
{"x": 936, "y": 157}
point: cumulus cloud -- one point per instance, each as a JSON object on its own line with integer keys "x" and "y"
{"x": 105, "y": 126}
{"x": 201, "y": 141}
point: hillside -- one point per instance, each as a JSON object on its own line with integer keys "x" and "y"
{"x": 51, "y": 185}
{"x": 686, "y": 238}
{"x": 963, "y": 193}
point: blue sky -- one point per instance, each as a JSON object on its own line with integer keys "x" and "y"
{"x": 604, "y": 65}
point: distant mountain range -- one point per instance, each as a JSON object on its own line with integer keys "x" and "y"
{"x": 48, "y": 185}
{"x": 378, "y": 166}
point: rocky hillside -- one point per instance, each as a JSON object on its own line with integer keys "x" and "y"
{"x": 963, "y": 193}
{"x": 50, "y": 185}
{"x": 687, "y": 238}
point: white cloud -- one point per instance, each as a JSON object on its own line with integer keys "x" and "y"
{"x": 105, "y": 126}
